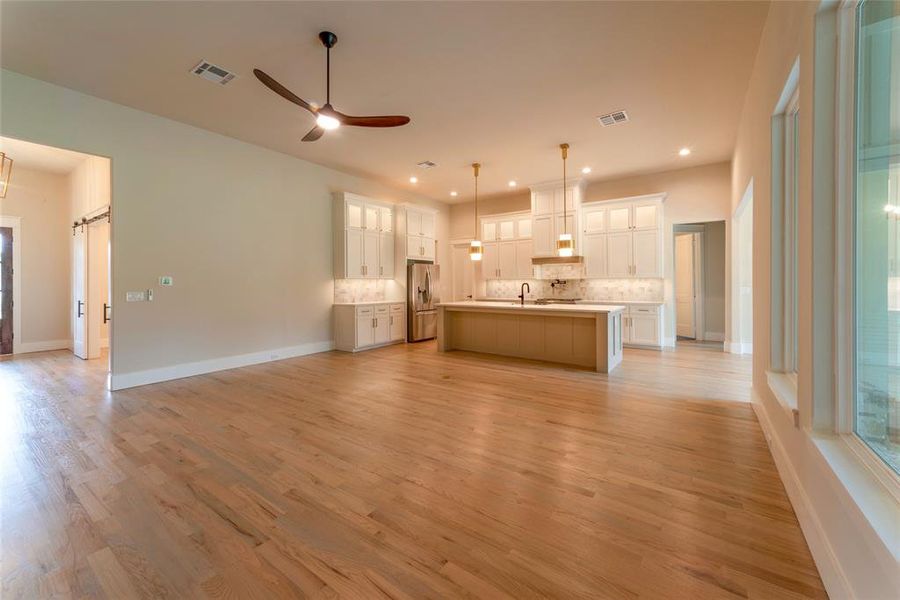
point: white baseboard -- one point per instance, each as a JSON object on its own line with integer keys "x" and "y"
{"x": 26, "y": 347}
{"x": 668, "y": 343}
{"x": 104, "y": 342}
{"x": 833, "y": 576}
{"x": 714, "y": 336}
{"x": 739, "y": 347}
{"x": 122, "y": 381}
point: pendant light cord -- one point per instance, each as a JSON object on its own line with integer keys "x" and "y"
{"x": 565, "y": 148}
{"x": 475, "y": 167}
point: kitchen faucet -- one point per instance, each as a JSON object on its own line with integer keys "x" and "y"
{"x": 524, "y": 287}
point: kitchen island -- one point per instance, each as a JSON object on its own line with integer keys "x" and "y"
{"x": 586, "y": 335}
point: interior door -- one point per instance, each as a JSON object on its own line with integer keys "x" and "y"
{"x": 646, "y": 260}
{"x": 386, "y": 256}
{"x": 685, "y": 294}
{"x": 507, "y": 260}
{"x": 6, "y": 290}
{"x": 97, "y": 282}
{"x": 618, "y": 254}
{"x": 79, "y": 292}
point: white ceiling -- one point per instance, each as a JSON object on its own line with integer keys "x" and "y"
{"x": 498, "y": 83}
{"x": 40, "y": 158}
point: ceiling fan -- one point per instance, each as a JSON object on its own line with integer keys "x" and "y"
{"x": 326, "y": 116}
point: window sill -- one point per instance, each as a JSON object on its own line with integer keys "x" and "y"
{"x": 784, "y": 388}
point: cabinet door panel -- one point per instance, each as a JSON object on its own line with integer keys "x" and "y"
{"x": 414, "y": 246}
{"x": 370, "y": 253}
{"x": 645, "y": 329}
{"x": 558, "y": 200}
{"x": 645, "y": 216}
{"x": 508, "y": 266}
{"x": 524, "y": 268}
{"x": 427, "y": 225}
{"x": 542, "y": 236}
{"x": 542, "y": 202}
{"x": 618, "y": 254}
{"x": 646, "y": 258}
{"x": 413, "y": 223}
{"x": 382, "y": 329}
{"x": 387, "y": 219}
{"x": 506, "y": 230}
{"x": 354, "y": 214}
{"x": 523, "y": 227}
{"x": 386, "y": 256}
{"x": 427, "y": 247}
{"x": 565, "y": 226}
{"x": 353, "y": 239}
{"x": 595, "y": 254}
{"x": 595, "y": 221}
{"x": 488, "y": 231}
{"x": 618, "y": 219}
{"x": 490, "y": 261}
{"x": 365, "y": 330}
{"x": 396, "y": 323}
{"x": 371, "y": 214}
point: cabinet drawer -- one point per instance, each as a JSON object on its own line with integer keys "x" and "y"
{"x": 643, "y": 310}
{"x": 397, "y": 308}
{"x": 364, "y": 311}
{"x": 381, "y": 309}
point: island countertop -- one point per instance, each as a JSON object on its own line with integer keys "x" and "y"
{"x": 542, "y": 308}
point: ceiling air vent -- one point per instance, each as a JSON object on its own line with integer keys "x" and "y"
{"x": 426, "y": 164}
{"x": 613, "y": 118}
{"x": 211, "y": 72}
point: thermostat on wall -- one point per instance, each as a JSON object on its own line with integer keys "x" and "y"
{"x": 166, "y": 280}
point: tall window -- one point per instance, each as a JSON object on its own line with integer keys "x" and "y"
{"x": 791, "y": 164}
{"x": 876, "y": 302}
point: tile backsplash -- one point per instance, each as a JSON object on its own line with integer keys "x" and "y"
{"x": 359, "y": 290}
{"x": 587, "y": 289}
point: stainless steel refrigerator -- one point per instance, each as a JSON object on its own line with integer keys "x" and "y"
{"x": 423, "y": 293}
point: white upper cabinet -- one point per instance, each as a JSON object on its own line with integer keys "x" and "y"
{"x": 363, "y": 238}
{"x": 488, "y": 230}
{"x": 490, "y": 260}
{"x": 564, "y": 217}
{"x": 524, "y": 268}
{"x": 622, "y": 238}
{"x": 506, "y": 229}
{"x": 523, "y": 226}
{"x": 508, "y": 262}
{"x": 510, "y": 226}
{"x": 420, "y": 229}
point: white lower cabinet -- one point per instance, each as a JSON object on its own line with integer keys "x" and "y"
{"x": 362, "y": 326}
{"x": 642, "y": 326}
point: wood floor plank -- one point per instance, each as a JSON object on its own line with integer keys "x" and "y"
{"x": 396, "y": 473}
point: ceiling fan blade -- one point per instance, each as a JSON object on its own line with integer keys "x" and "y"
{"x": 282, "y": 91}
{"x": 381, "y": 121}
{"x": 314, "y": 134}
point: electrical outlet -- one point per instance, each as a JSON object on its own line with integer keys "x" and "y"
{"x": 135, "y": 296}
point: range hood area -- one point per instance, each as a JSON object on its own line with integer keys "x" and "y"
{"x": 557, "y": 260}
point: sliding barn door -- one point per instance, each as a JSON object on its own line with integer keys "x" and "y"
{"x": 79, "y": 292}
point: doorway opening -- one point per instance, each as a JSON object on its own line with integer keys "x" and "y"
{"x": 55, "y": 237}
{"x": 741, "y": 329}
{"x": 700, "y": 283}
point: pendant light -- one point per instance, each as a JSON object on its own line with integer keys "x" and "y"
{"x": 565, "y": 245}
{"x": 475, "y": 247}
{"x": 5, "y": 170}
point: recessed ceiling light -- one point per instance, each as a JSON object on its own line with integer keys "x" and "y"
{"x": 684, "y": 152}
{"x": 586, "y": 170}
{"x": 454, "y": 193}
{"x": 512, "y": 183}
{"x": 414, "y": 179}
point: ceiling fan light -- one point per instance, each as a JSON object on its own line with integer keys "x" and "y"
{"x": 326, "y": 122}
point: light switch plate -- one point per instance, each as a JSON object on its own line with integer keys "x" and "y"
{"x": 135, "y": 296}
{"x": 166, "y": 280}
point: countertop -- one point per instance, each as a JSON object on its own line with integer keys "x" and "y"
{"x": 367, "y": 302}
{"x": 616, "y": 302}
{"x": 515, "y": 306}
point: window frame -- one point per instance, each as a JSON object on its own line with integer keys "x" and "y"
{"x": 845, "y": 253}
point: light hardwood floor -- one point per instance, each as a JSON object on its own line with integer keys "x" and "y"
{"x": 400, "y": 473}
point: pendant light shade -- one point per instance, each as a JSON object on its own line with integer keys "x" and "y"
{"x": 475, "y": 249}
{"x": 565, "y": 245}
{"x": 5, "y": 170}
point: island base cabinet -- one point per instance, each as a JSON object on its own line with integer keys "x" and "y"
{"x": 363, "y": 326}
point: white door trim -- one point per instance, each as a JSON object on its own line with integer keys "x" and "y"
{"x": 15, "y": 223}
